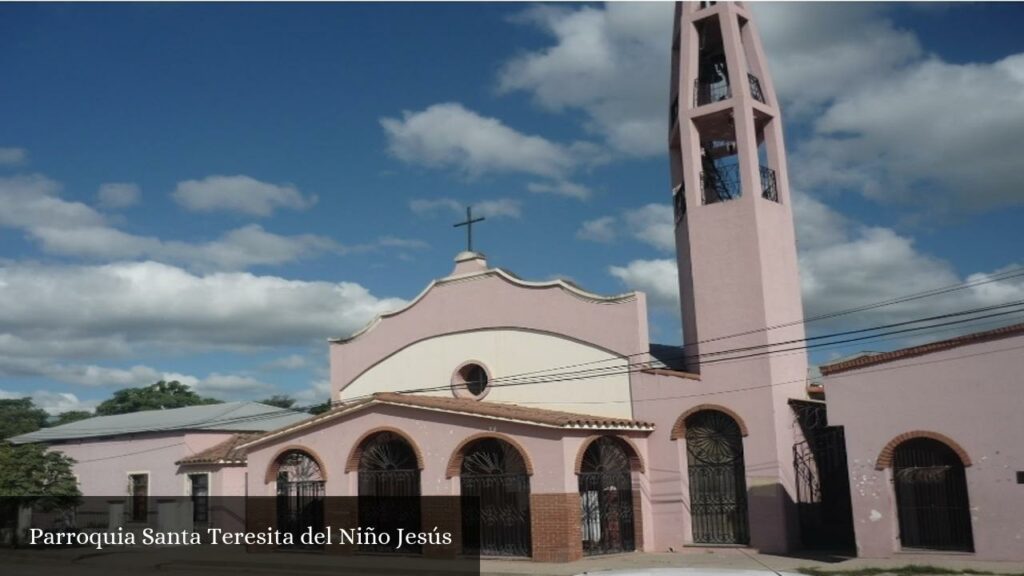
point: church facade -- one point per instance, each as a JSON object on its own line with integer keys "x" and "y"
{"x": 551, "y": 405}
{"x": 551, "y": 410}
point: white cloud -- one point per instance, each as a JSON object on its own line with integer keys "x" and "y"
{"x": 845, "y": 264}
{"x": 317, "y": 392}
{"x": 598, "y": 230}
{"x": 241, "y": 194}
{"x": 496, "y": 208}
{"x": 450, "y": 136}
{"x": 157, "y": 305}
{"x": 656, "y": 278}
{"x": 118, "y": 194}
{"x": 33, "y": 204}
{"x": 13, "y": 156}
{"x": 652, "y": 224}
{"x": 52, "y": 402}
{"x": 937, "y": 133}
{"x": 610, "y": 62}
{"x": 560, "y": 188}
{"x": 290, "y": 362}
{"x": 230, "y": 386}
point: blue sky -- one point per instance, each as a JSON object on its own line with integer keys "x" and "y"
{"x": 208, "y": 192}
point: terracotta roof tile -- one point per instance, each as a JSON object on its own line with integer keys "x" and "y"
{"x": 510, "y": 411}
{"x": 227, "y": 452}
{"x": 967, "y": 339}
{"x": 468, "y": 406}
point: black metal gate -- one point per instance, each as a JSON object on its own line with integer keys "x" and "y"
{"x": 931, "y": 496}
{"x": 389, "y": 490}
{"x": 718, "y": 488}
{"x": 300, "y": 506}
{"x": 606, "y": 498}
{"x": 498, "y": 522}
{"x": 300, "y": 496}
{"x": 822, "y": 480}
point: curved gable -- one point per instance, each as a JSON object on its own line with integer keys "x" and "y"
{"x": 477, "y": 298}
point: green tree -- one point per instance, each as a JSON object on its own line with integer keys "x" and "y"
{"x": 279, "y": 400}
{"x": 71, "y": 416}
{"x": 32, "y": 476}
{"x": 320, "y": 408}
{"x": 162, "y": 395}
{"x": 20, "y": 416}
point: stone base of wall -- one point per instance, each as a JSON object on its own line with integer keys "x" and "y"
{"x": 555, "y": 527}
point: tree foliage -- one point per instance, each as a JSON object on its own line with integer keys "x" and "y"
{"x": 32, "y": 476}
{"x": 20, "y": 416}
{"x": 279, "y": 401}
{"x": 71, "y": 416}
{"x": 162, "y": 395}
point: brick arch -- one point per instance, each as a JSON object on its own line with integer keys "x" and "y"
{"x": 275, "y": 462}
{"x": 884, "y": 459}
{"x": 455, "y": 462}
{"x": 356, "y": 454}
{"x": 636, "y": 463}
{"x": 679, "y": 428}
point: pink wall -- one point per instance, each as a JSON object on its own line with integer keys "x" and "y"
{"x": 552, "y": 452}
{"x": 972, "y": 394}
{"x": 470, "y": 303}
{"x": 103, "y": 464}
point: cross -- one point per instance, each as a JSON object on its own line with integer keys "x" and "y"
{"x": 469, "y": 226}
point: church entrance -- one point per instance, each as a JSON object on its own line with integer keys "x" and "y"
{"x": 606, "y": 498}
{"x": 931, "y": 496}
{"x": 498, "y": 522}
{"x": 389, "y": 488}
{"x": 300, "y": 495}
{"x": 718, "y": 489}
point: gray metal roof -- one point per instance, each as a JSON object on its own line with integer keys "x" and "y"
{"x": 230, "y": 417}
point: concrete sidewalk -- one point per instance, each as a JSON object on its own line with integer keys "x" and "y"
{"x": 231, "y": 560}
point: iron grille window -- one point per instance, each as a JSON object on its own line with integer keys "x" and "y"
{"x": 199, "y": 488}
{"x": 769, "y": 186}
{"x": 755, "y": 88}
{"x": 139, "y": 489}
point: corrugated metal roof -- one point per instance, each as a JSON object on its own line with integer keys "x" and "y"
{"x": 230, "y": 417}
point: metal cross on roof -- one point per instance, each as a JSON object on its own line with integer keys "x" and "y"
{"x": 468, "y": 223}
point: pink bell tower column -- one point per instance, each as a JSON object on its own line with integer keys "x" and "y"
{"x": 739, "y": 281}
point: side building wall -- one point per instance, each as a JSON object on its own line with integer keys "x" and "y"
{"x": 974, "y": 396}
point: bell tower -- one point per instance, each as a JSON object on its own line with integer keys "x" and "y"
{"x": 735, "y": 241}
{"x": 739, "y": 280}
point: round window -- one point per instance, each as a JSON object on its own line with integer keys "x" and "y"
{"x": 470, "y": 380}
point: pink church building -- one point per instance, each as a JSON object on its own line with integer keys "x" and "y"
{"x": 576, "y": 435}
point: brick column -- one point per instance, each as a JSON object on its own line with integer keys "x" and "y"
{"x": 557, "y": 535}
{"x": 444, "y": 513}
{"x": 341, "y": 512}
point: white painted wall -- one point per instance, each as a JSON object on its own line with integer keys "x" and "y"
{"x": 505, "y": 352}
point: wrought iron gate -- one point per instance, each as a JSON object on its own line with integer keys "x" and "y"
{"x": 823, "y": 490}
{"x": 931, "y": 496}
{"x": 718, "y": 488}
{"x": 494, "y": 473}
{"x": 606, "y": 498}
{"x": 300, "y": 506}
{"x": 300, "y": 496}
{"x": 389, "y": 490}
{"x": 822, "y": 480}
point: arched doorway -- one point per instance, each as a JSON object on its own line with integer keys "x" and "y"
{"x": 606, "y": 497}
{"x": 931, "y": 496}
{"x": 718, "y": 488}
{"x": 495, "y": 474}
{"x": 300, "y": 494}
{"x": 389, "y": 488}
